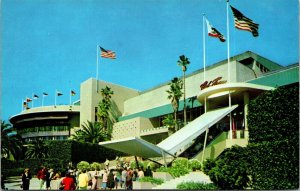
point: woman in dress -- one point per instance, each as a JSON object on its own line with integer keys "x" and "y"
{"x": 26, "y": 176}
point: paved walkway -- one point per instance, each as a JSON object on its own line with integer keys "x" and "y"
{"x": 14, "y": 183}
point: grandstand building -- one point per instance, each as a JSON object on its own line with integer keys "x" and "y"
{"x": 216, "y": 109}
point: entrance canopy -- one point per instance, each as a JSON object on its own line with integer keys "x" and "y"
{"x": 174, "y": 143}
{"x": 134, "y": 146}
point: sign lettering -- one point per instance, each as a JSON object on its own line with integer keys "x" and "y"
{"x": 214, "y": 82}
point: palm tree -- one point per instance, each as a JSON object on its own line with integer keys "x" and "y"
{"x": 91, "y": 132}
{"x": 183, "y": 62}
{"x": 170, "y": 122}
{"x": 11, "y": 142}
{"x": 175, "y": 94}
{"x": 104, "y": 106}
{"x": 36, "y": 149}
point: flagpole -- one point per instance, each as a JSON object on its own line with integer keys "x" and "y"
{"x": 204, "y": 52}
{"x": 55, "y": 98}
{"x": 97, "y": 72}
{"x": 70, "y": 97}
{"x": 204, "y": 59}
{"x": 43, "y": 100}
{"x": 228, "y": 60}
{"x": 22, "y": 105}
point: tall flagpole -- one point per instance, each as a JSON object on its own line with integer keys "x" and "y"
{"x": 70, "y": 97}
{"x": 22, "y": 105}
{"x": 43, "y": 100}
{"x": 55, "y": 98}
{"x": 32, "y": 100}
{"x": 229, "y": 77}
{"x": 204, "y": 58}
{"x": 204, "y": 52}
{"x": 97, "y": 72}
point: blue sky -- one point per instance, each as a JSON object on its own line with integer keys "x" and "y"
{"x": 51, "y": 44}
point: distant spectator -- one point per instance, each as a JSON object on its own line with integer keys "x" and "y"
{"x": 129, "y": 176}
{"x": 140, "y": 173}
{"x": 83, "y": 180}
{"x": 104, "y": 180}
{"x": 68, "y": 182}
{"x": 26, "y": 176}
{"x": 41, "y": 175}
{"x": 148, "y": 172}
{"x": 123, "y": 178}
{"x": 110, "y": 180}
{"x": 48, "y": 179}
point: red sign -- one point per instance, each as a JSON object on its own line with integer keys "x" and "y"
{"x": 214, "y": 82}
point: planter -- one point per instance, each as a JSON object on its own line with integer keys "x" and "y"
{"x": 163, "y": 175}
{"x": 142, "y": 185}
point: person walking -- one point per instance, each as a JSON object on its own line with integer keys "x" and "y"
{"x": 83, "y": 180}
{"x": 26, "y": 177}
{"x": 41, "y": 175}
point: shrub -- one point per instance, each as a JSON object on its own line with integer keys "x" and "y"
{"x": 96, "y": 166}
{"x": 230, "y": 170}
{"x": 156, "y": 181}
{"x": 83, "y": 165}
{"x": 208, "y": 165}
{"x": 174, "y": 171}
{"x": 180, "y": 163}
{"x": 194, "y": 164}
{"x": 196, "y": 186}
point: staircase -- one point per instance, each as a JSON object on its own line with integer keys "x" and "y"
{"x": 191, "y": 177}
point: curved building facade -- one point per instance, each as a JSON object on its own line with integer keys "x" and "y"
{"x": 47, "y": 123}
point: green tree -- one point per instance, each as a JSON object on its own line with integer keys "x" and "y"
{"x": 91, "y": 133}
{"x": 11, "y": 142}
{"x": 170, "y": 122}
{"x": 183, "y": 62}
{"x": 104, "y": 107}
{"x": 175, "y": 94}
{"x": 36, "y": 149}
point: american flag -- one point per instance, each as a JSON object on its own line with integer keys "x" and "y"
{"x": 107, "y": 53}
{"x": 244, "y": 23}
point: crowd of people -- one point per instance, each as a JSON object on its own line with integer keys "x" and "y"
{"x": 74, "y": 179}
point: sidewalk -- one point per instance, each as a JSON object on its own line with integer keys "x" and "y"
{"x": 14, "y": 183}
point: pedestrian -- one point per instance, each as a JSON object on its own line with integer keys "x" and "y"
{"x": 41, "y": 175}
{"x": 83, "y": 180}
{"x": 26, "y": 176}
{"x": 129, "y": 176}
{"x": 48, "y": 179}
{"x": 140, "y": 173}
{"x": 123, "y": 177}
{"x": 104, "y": 180}
{"x": 117, "y": 178}
{"x": 148, "y": 172}
{"x": 110, "y": 180}
{"x": 68, "y": 182}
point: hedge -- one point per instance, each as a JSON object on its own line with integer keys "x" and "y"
{"x": 274, "y": 139}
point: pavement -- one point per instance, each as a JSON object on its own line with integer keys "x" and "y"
{"x": 14, "y": 183}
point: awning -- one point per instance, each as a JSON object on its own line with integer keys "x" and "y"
{"x": 139, "y": 147}
{"x": 193, "y": 129}
{"x": 134, "y": 146}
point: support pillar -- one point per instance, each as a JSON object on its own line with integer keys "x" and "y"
{"x": 246, "y": 103}
{"x": 205, "y": 139}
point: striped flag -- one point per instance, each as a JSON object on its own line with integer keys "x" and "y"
{"x": 244, "y": 23}
{"x": 28, "y": 100}
{"x": 213, "y": 32}
{"x": 35, "y": 96}
{"x": 107, "y": 53}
